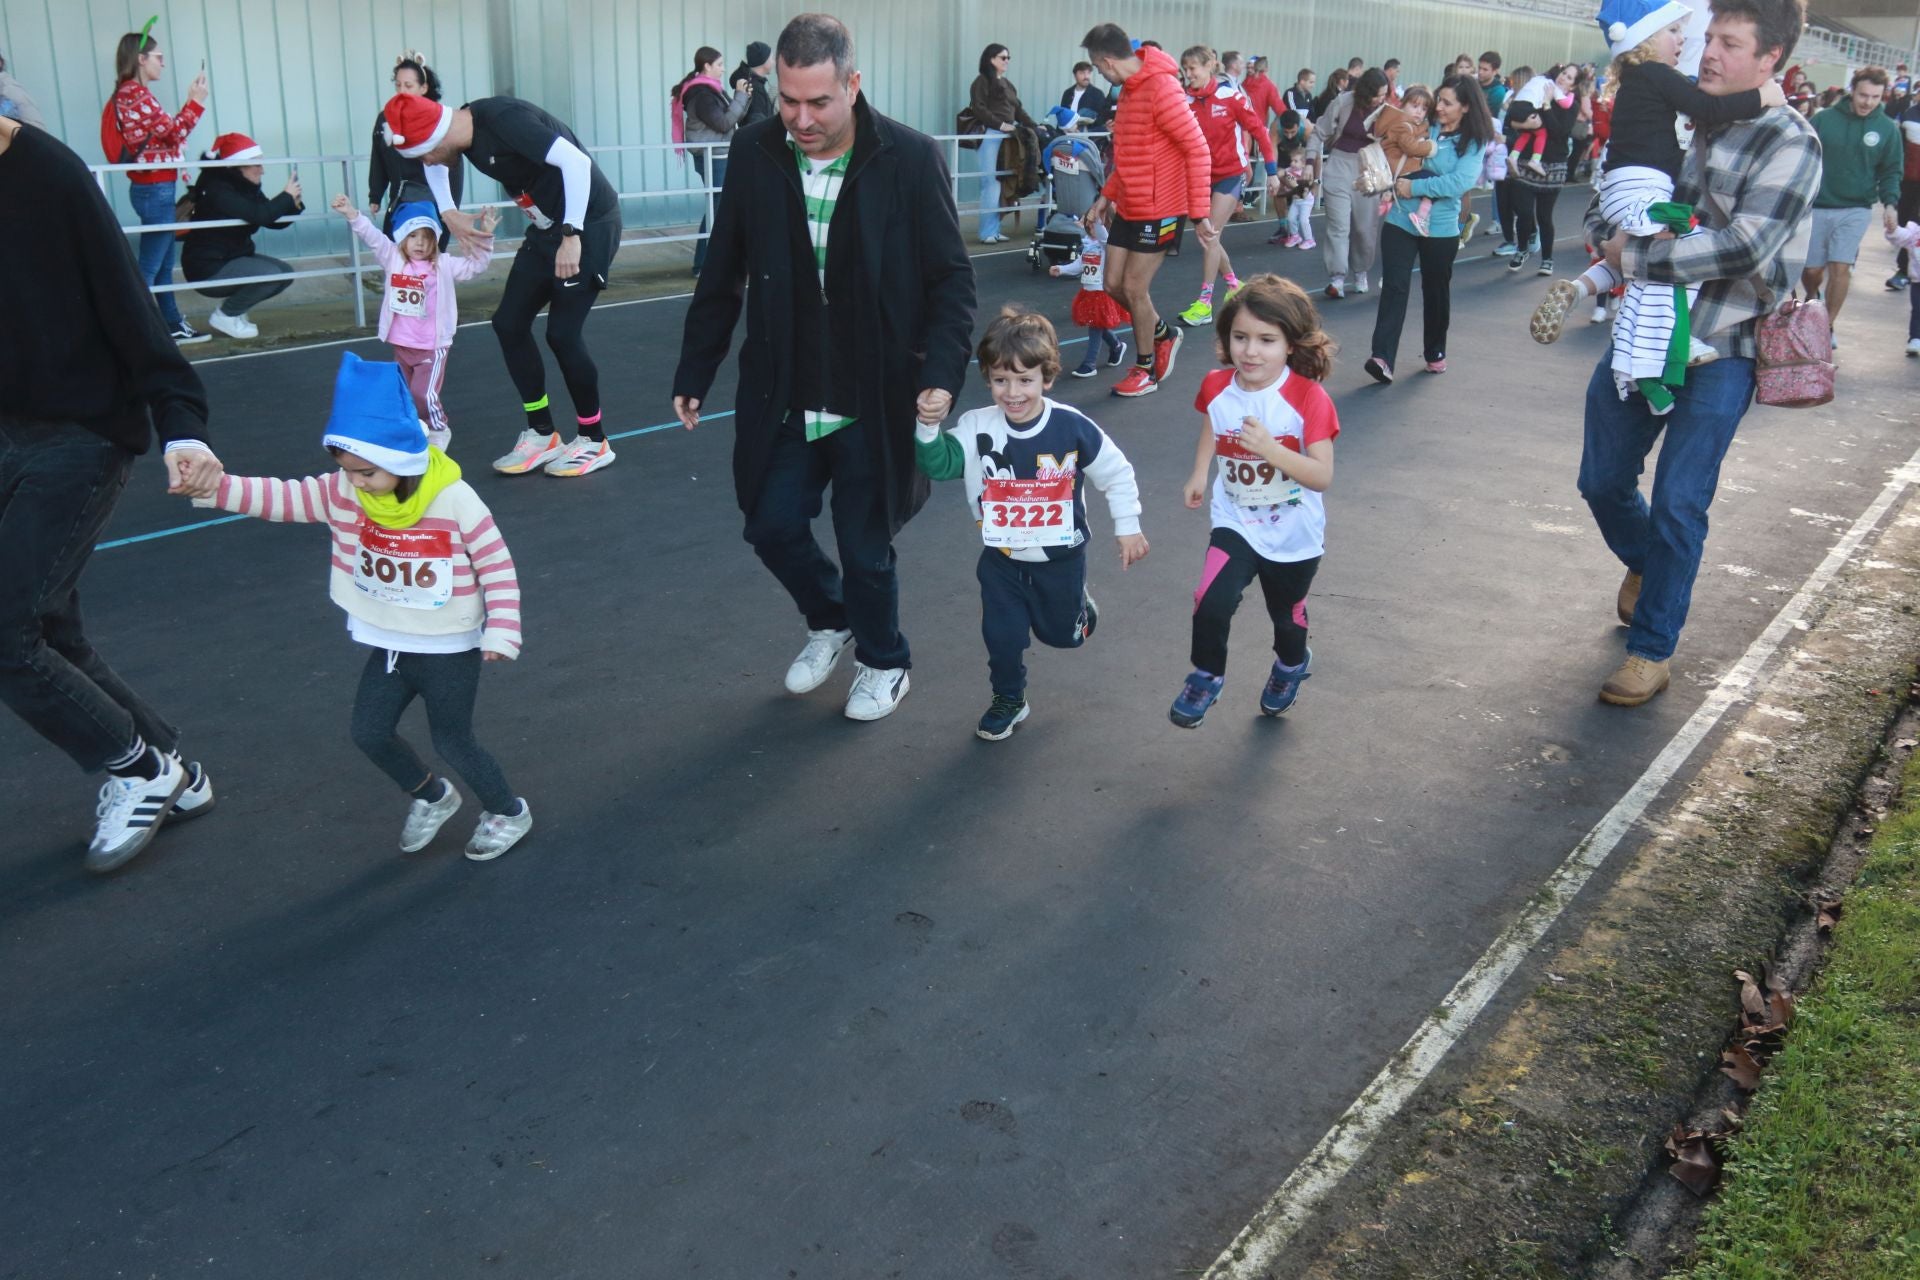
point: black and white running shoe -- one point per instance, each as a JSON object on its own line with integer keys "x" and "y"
{"x": 130, "y": 812}
{"x": 197, "y": 798}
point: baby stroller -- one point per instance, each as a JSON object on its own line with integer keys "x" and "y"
{"x": 1075, "y": 172}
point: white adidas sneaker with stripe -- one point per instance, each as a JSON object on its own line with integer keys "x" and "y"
{"x": 130, "y": 812}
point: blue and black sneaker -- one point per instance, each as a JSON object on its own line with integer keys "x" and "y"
{"x": 1005, "y": 713}
{"x": 1089, "y": 615}
{"x": 1200, "y": 693}
{"x": 1283, "y": 686}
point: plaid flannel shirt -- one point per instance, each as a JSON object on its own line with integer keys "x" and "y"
{"x": 1752, "y": 185}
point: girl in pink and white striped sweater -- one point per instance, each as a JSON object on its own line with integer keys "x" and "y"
{"x": 425, "y": 579}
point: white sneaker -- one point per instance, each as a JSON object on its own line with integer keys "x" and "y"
{"x": 1913, "y": 347}
{"x": 130, "y": 811}
{"x": 198, "y": 796}
{"x": 426, "y": 817}
{"x": 876, "y": 691}
{"x": 581, "y": 457}
{"x": 440, "y": 438}
{"x": 1699, "y": 353}
{"x": 233, "y": 326}
{"x": 531, "y": 449}
{"x": 1599, "y": 315}
{"x": 499, "y": 832}
{"x": 1360, "y": 282}
{"x": 817, "y": 660}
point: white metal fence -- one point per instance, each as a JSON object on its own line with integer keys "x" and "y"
{"x": 317, "y": 212}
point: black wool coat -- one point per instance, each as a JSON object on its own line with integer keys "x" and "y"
{"x": 895, "y": 257}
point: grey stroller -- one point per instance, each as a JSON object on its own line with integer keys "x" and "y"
{"x": 1075, "y": 171}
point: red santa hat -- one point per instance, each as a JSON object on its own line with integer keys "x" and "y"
{"x": 235, "y": 146}
{"x": 416, "y": 124}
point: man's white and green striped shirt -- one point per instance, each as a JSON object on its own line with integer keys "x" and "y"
{"x": 819, "y": 192}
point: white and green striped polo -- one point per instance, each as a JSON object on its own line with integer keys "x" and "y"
{"x": 820, "y": 191}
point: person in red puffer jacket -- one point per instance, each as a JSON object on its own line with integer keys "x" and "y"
{"x": 148, "y": 135}
{"x": 1161, "y": 177}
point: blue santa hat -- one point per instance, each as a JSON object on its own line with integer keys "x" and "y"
{"x": 373, "y": 417}
{"x": 415, "y": 215}
{"x": 1629, "y": 23}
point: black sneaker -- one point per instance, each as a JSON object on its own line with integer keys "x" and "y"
{"x": 1546, "y": 267}
{"x": 1898, "y": 280}
{"x": 1089, "y": 614}
{"x": 1002, "y": 715}
{"x": 186, "y": 335}
{"x": 1518, "y": 260}
{"x": 1119, "y": 356}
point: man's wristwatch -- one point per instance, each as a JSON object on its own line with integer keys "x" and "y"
{"x": 568, "y": 229}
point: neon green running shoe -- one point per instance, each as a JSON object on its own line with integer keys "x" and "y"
{"x": 1201, "y": 312}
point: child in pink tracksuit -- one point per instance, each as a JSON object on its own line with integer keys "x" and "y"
{"x": 417, "y": 312}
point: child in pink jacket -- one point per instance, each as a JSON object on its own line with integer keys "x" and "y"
{"x": 417, "y": 311}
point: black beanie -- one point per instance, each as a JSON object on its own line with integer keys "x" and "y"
{"x": 758, "y": 52}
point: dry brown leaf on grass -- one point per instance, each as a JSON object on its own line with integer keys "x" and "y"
{"x": 1827, "y": 913}
{"x": 1694, "y": 1165}
{"x": 1752, "y": 1003}
{"x": 1741, "y": 1067}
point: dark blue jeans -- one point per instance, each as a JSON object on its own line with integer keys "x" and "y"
{"x": 1661, "y": 540}
{"x": 700, "y": 160}
{"x": 58, "y": 484}
{"x": 863, "y": 595}
{"x": 153, "y": 202}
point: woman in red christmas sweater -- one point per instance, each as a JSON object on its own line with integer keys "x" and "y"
{"x": 147, "y": 134}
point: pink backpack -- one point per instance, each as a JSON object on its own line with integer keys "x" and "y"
{"x": 1796, "y": 356}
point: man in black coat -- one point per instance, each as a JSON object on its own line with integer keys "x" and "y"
{"x": 759, "y": 61}
{"x": 859, "y": 319}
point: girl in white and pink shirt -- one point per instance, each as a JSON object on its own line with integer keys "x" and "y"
{"x": 417, "y": 312}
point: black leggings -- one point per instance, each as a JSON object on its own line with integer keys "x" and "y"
{"x": 530, "y": 286}
{"x": 1534, "y": 208}
{"x": 1231, "y": 567}
{"x": 447, "y": 683}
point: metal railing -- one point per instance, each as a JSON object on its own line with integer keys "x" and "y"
{"x": 1818, "y": 44}
{"x": 358, "y": 266}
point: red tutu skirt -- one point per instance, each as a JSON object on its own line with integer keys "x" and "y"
{"x": 1098, "y": 309}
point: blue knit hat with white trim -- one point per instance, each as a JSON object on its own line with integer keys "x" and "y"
{"x": 1629, "y": 23}
{"x": 415, "y": 215}
{"x": 373, "y": 417}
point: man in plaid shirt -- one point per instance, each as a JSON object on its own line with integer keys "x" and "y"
{"x": 1751, "y": 184}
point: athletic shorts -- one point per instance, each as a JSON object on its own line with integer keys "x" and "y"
{"x": 1837, "y": 234}
{"x": 1155, "y": 235}
{"x": 599, "y": 241}
{"x": 1230, "y": 186}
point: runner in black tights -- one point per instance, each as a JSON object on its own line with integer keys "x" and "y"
{"x": 572, "y": 234}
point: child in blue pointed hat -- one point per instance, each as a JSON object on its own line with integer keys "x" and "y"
{"x": 427, "y": 584}
{"x": 417, "y": 312}
{"x": 1653, "y": 344}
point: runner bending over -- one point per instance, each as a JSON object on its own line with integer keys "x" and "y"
{"x": 573, "y": 232}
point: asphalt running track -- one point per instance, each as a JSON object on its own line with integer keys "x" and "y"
{"x": 769, "y": 993}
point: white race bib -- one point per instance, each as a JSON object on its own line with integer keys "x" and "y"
{"x": 411, "y": 568}
{"x": 407, "y": 295}
{"x": 1017, "y": 515}
{"x": 532, "y": 210}
{"x": 1093, "y": 271}
{"x": 1250, "y": 480}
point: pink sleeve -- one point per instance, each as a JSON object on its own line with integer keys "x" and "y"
{"x": 279, "y": 501}
{"x": 499, "y": 585}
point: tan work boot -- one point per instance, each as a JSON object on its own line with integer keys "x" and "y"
{"x": 1637, "y": 680}
{"x": 1629, "y": 596}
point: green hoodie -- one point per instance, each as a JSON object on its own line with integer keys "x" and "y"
{"x": 1860, "y": 156}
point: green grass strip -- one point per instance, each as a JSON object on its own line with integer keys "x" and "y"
{"x": 1824, "y": 1180}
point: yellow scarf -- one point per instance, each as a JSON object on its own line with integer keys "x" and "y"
{"x": 390, "y": 512}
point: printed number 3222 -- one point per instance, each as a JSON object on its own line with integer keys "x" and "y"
{"x": 1052, "y": 516}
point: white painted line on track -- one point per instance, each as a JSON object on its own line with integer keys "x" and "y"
{"x": 1255, "y": 1250}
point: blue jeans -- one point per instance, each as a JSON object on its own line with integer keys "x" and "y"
{"x": 153, "y": 201}
{"x": 58, "y": 484}
{"x": 1660, "y": 541}
{"x": 989, "y": 154}
{"x": 700, "y": 160}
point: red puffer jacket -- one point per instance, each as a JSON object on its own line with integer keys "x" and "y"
{"x": 1223, "y": 114}
{"x": 1160, "y": 158}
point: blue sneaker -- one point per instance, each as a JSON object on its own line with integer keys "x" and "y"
{"x": 1001, "y": 716}
{"x": 1283, "y": 686}
{"x": 1201, "y": 691}
{"x": 1087, "y": 367}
